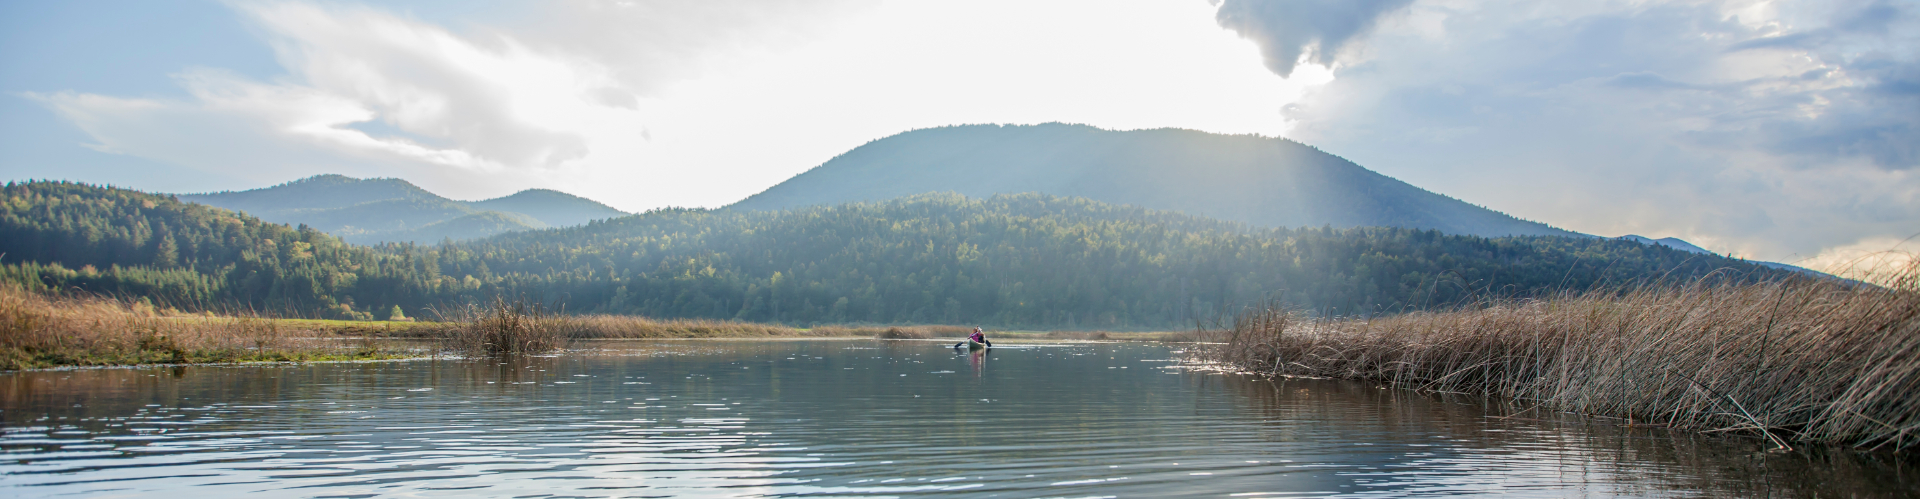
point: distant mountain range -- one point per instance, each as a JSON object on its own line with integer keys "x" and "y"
{"x": 1019, "y": 261}
{"x": 367, "y": 211}
{"x": 1670, "y": 242}
{"x": 1261, "y": 181}
{"x": 1682, "y": 245}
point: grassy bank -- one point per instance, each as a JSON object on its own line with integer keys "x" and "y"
{"x": 1795, "y": 361}
{"x": 38, "y": 331}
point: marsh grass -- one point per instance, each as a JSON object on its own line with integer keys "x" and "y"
{"x": 505, "y": 327}
{"x": 38, "y": 331}
{"x": 632, "y": 327}
{"x": 521, "y": 326}
{"x": 901, "y": 332}
{"x": 1080, "y": 335}
{"x": 1803, "y": 360}
{"x": 894, "y": 333}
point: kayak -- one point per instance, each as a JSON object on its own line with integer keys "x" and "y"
{"x": 975, "y": 345}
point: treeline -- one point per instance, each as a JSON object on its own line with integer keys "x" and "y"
{"x": 1012, "y": 261}
{"x": 60, "y": 236}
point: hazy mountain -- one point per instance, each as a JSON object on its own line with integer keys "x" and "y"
{"x": 392, "y": 210}
{"x": 1262, "y": 181}
{"x": 1670, "y": 242}
{"x": 469, "y": 226}
{"x": 554, "y": 208}
{"x": 1022, "y": 260}
{"x": 1683, "y": 245}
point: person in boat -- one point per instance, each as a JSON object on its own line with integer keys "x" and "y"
{"x": 978, "y": 337}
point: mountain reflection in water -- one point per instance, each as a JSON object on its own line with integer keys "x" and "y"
{"x": 843, "y": 418}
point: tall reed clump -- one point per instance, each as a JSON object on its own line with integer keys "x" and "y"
{"x": 38, "y": 331}
{"x": 508, "y": 328}
{"x": 898, "y": 332}
{"x": 633, "y": 327}
{"x": 1796, "y": 360}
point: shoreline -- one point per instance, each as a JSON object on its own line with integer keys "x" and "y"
{"x": 392, "y": 355}
{"x": 1796, "y": 361}
{"x": 40, "y": 332}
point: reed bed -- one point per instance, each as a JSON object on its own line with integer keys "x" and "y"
{"x": 38, "y": 331}
{"x": 517, "y": 327}
{"x": 1801, "y": 360}
{"x": 897, "y": 332}
{"x": 506, "y": 328}
{"x": 1079, "y": 335}
{"x": 632, "y": 327}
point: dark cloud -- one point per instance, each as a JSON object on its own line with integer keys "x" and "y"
{"x": 1875, "y": 115}
{"x": 1770, "y": 130}
{"x": 1286, "y": 29}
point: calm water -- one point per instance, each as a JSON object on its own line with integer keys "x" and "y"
{"x": 840, "y": 418}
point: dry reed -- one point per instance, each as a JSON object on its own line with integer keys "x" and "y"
{"x": 507, "y": 328}
{"x": 632, "y": 327}
{"x": 521, "y": 327}
{"x": 39, "y": 331}
{"x": 1079, "y": 335}
{"x": 1796, "y": 360}
{"x": 896, "y": 332}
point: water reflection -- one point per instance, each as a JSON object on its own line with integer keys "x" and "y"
{"x": 1552, "y": 451}
{"x": 976, "y": 358}
{"x": 879, "y": 418}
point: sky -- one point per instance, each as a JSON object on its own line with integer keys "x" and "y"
{"x": 1782, "y": 130}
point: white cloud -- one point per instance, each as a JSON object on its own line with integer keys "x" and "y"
{"x": 1763, "y": 128}
{"x": 657, "y": 103}
{"x": 444, "y": 100}
{"x": 1879, "y": 260}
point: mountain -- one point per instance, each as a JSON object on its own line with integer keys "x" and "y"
{"x": 1683, "y": 245}
{"x": 1670, "y": 242}
{"x": 375, "y": 210}
{"x": 551, "y": 207}
{"x": 1025, "y": 260}
{"x": 1261, "y": 181}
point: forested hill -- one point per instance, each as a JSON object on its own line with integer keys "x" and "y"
{"x": 376, "y": 210}
{"x": 1265, "y": 182}
{"x": 1010, "y": 261}
{"x": 59, "y": 236}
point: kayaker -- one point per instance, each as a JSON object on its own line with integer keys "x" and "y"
{"x": 980, "y": 337}
{"x": 977, "y": 337}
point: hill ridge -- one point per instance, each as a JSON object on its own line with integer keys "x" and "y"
{"x": 389, "y": 209}
{"x": 1022, "y": 260}
{"x": 1263, "y": 181}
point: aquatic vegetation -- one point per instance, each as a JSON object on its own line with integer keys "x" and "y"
{"x": 507, "y": 328}
{"x": 900, "y": 332}
{"x": 628, "y": 326}
{"x": 1079, "y": 335}
{"x": 1805, "y": 360}
{"x": 38, "y": 331}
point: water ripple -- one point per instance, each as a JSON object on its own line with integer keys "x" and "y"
{"x": 828, "y": 418}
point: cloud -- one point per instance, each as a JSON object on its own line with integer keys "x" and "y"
{"x": 647, "y": 44}
{"x": 1291, "y": 31}
{"x": 482, "y": 97}
{"x": 1879, "y": 260}
{"x": 369, "y": 90}
{"x": 1763, "y": 128}
{"x": 447, "y": 101}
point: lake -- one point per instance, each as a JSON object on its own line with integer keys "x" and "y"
{"x": 845, "y": 418}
